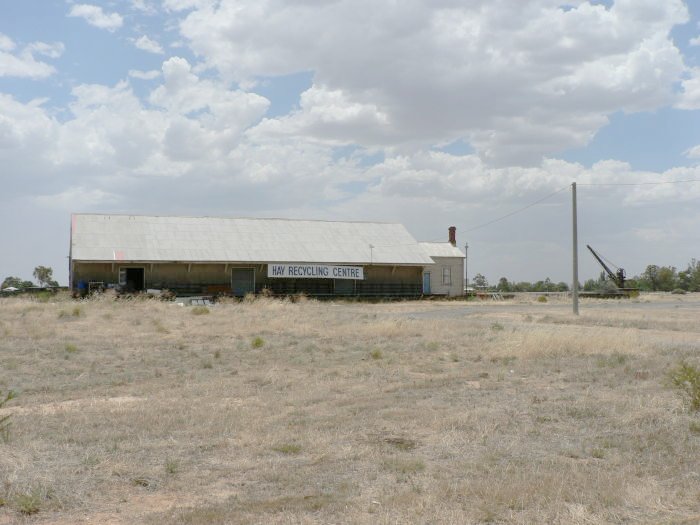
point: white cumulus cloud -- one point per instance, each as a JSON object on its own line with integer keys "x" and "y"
{"x": 181, "y": 5}
{"x": 6, "y": 43}
{"x": 690, "y": 96}
{"x": 53, "y": 50}
{"x": 517, "y": 80}
{"x": 23, "y": 63}
{"x": 95, "y": 16}
{"x": 144, "y": 75}
{"x": 145, "y": 43}
{"x": 144, "y": 6}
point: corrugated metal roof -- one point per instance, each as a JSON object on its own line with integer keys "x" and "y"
{"x": 441, "y": 249}
{"x": 215, "y": 239}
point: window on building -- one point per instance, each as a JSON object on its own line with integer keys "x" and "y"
{"x": 447, "y": 275}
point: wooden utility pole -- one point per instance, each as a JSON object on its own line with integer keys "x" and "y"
{"x": 574, "y": 293}
{"x": 466, "y": 275}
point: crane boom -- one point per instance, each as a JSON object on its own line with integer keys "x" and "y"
{"x": 618, "y": 278}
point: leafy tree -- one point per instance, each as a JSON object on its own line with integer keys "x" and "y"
{"x": 590, "y": 285}
{"x": 16, "y": 282}
{"x": 522, "y": 286}
{"x": 632, "y": 282}
{"x": 504, "y": 285}
{"x": 11, "y": 281}
{"x": 608, "y": 286}
{"x": 689, "y": 279}
{"x": 602, "y": 280}
{"x": 694, "y": 272}
{"x": 480, "y": 281}
{"x": 684, "y": 280}
{"x": 659, "y": 278}
{"x": 543, "y": 286}
{"x": 562, "y": 287}
{"x": 44, "y": 274}
{"x": 649, "y": 280}
{"x": 667, "y": 278}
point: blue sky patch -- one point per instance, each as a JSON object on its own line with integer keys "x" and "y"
{"x": 647, "y": 141}
{"x": 283, "y": 92}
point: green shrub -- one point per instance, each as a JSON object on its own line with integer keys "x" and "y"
{"x": 287, "y": 448}
{"x": 376, "y": 354}
{"x": 541, "y": 299}
{"x": 29, "y": 503}
{"x": 71, "y": 348}
{"x": 200, "y": 310}
{"x": 678, "y": 291}
{"x": 160, "y": 327}
{"x": 257, "y": 342}
{"x": 172, "y": 466}
{"x": 686, "y": 378}
{"x": 496, "y": 327}
{"x": 598, "y": 453}
{"x": 43, "y": 297}
{"x": 77, "y": 311}
{"x": 612, "y": 360}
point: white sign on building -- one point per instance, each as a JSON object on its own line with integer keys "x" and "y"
{"x": 315, "y": 271}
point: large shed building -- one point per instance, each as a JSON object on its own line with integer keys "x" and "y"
{"x": 207, "y": 255}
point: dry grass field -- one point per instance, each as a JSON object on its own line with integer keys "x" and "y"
{"x": 270, "y": 411}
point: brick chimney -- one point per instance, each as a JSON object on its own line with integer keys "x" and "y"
{"x": 453, "y": 235}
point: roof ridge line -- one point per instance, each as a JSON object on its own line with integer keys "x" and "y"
{"x": 229, "y": 218}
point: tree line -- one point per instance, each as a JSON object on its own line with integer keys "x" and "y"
{"x": 43, "y": 274}
{"x": 654, "y": 279}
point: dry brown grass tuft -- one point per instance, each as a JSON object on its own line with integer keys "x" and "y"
{"x": 272, "y": 411}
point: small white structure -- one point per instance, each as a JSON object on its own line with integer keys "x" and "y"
{"x": 446, "y": 275}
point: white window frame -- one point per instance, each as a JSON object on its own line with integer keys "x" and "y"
{"x": 447, "y": 275}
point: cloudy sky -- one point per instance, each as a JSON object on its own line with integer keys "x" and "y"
{"x": 426, "y": 112}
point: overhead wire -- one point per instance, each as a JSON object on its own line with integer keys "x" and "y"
{"x": 538, "y": 201}
{"x": 519, "y": 210}
{"x": 636, "y": 183}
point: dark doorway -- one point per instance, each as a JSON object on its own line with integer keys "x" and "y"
{"x": 242, "y": 281}
{"x": 135, "y": 279}
{"x": 343, "y": 287}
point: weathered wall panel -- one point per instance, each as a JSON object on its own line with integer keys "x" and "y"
{"x": 456, "y": 284}
{"x": 204, "y": 278}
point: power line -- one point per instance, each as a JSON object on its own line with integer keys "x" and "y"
{"x": 579, "y": 184}
{"x": 636, "y": 183}
{"x": 518, "y": 210}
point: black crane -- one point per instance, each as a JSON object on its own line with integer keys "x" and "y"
{"x": 618, "y": 277}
